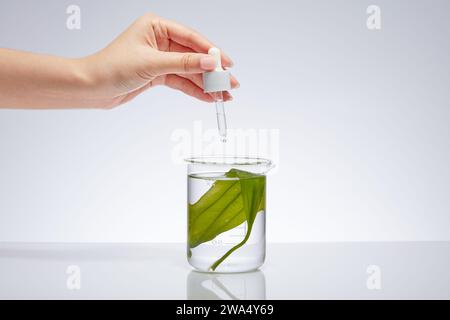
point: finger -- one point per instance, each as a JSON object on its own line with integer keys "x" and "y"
{"x": 177, "y": 62}
{"x": 223, "y": 96}
{"x": 188, "y": 87}
{"x": 194, "y": 77}
{"x": 176, "y": 47}
{"x": 192, "y": 39}
{"x": 234, "y": 83}
{"x": 227, "y": 96}
{"x": 198, "y": 79}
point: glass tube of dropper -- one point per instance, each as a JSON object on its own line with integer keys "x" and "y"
{"x": 220, "y": 114}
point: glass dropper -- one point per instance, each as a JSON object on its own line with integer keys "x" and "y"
{"x": 215, "y": 83}
{"x": 220, "y": 114}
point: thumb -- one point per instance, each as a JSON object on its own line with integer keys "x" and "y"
{"x": 188, "y": 62}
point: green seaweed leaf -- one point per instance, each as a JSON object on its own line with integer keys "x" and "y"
{"x": 227, "y": 204}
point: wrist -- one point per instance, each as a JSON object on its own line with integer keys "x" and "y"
{"x": 85, "y": 75}
{"x": 94, "y": 82}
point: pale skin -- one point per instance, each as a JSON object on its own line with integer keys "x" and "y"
{"x": 152, "y": 51}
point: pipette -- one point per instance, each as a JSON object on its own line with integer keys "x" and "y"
{"x": 214, "y": 83}
{"x": 220, "y": 114}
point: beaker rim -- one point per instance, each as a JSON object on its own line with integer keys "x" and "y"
{"x": 229, "y": 160}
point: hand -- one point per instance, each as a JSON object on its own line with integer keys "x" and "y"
{"x": 152, "y": 51}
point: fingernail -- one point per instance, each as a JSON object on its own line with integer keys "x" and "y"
{"x": 207, "y": 63}
{"x": 231, "y": 63}
{"x": 238, "y": 85}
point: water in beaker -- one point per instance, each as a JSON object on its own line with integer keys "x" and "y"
{"x": 226, "y": 213}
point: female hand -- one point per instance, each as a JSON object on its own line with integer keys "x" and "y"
{"x": 152, "y": 51}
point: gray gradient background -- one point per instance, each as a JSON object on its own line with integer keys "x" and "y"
{"x": 364, "y": 122}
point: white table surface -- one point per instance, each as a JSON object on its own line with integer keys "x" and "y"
{"x": 406, "y": 270}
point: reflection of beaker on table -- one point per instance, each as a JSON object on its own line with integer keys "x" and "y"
{"x": 226, "y": 286}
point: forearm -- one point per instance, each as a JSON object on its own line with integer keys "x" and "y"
{"x": 36, "y": 81}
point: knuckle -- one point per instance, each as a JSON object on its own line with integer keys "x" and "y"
{"x": 110, "y": 105}
{"x": 184, "y": 87}
{"x": 147, "y": 19}
{"x": 190, "y": 90}
{"x": 191, "y": 36}
{"x": 186, "y": 61}
{"x": 149, "y": 16}
{"x": 168, "y": 80}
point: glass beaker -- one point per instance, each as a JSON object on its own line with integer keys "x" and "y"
{"x": 226, "y": 213}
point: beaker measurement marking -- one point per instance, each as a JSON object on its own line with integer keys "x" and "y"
{"x": 216, "y": 242}
{"x": 242, "y": 228}
{"x": 239, "y": 235}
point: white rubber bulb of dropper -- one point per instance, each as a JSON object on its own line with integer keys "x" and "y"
{"x": 215, "y": 53}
